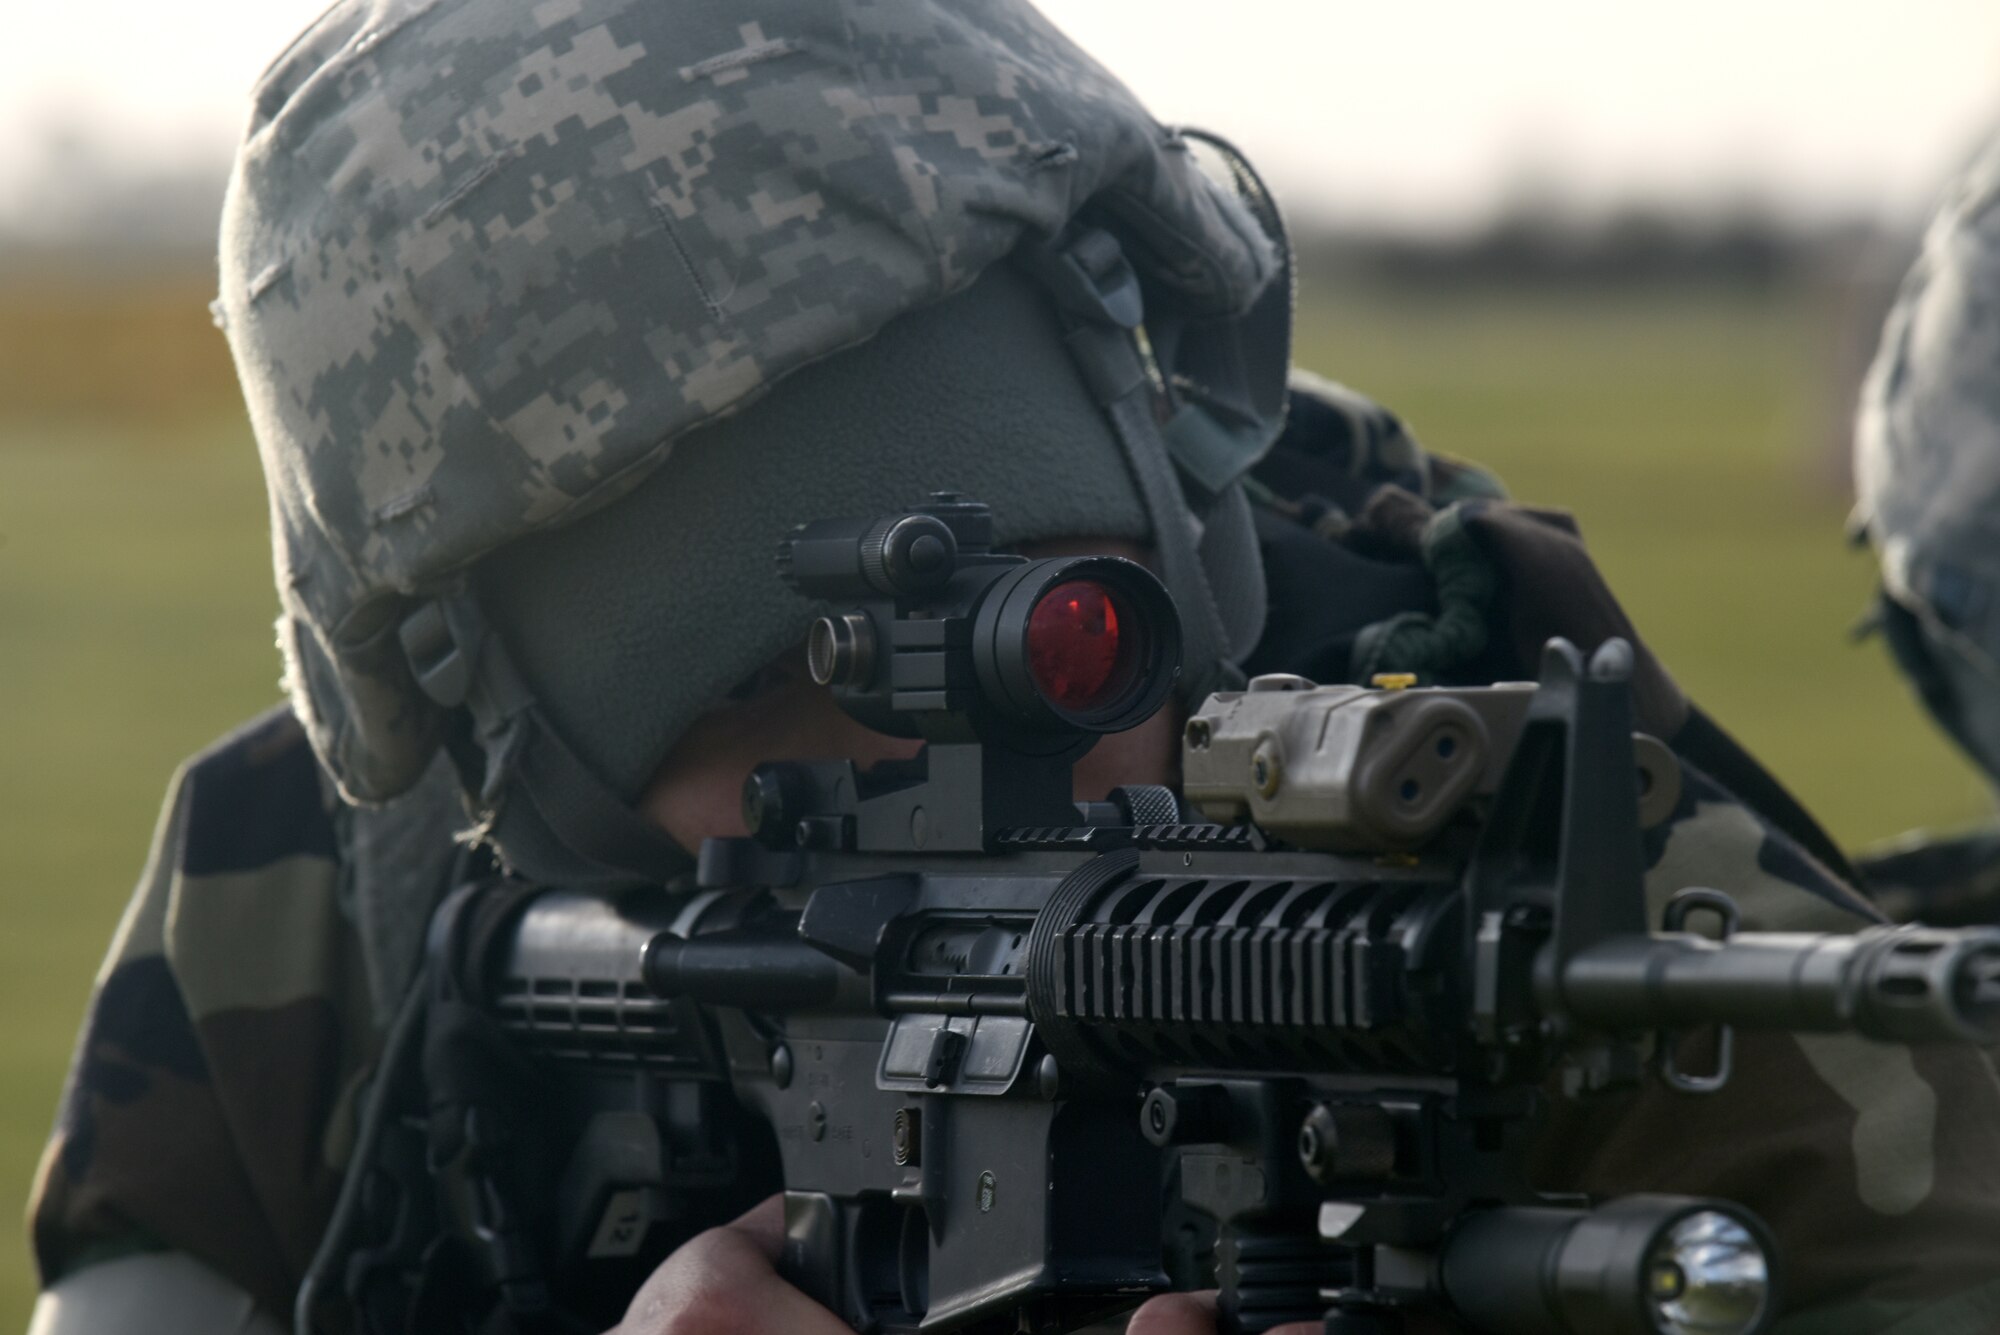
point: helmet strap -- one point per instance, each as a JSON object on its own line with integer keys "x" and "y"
{"x": 459, "y": 662}
{"x": 1188, "y": 468}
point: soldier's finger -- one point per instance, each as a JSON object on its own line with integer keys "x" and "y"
{"x": 1193, "y": 1314}
{"x": 723, "y": 1282}
{"x": 764, "y": 1224}
{"x": 1175, "y": 1314}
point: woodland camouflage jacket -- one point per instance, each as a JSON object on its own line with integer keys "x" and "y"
{"x": 211, "y": 1106}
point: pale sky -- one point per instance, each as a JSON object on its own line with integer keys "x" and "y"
{"x": 1421, "y": 115}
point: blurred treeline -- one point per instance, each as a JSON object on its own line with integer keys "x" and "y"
{"x": 1839, "y": 276}
{"x": 1534, "y": 245}
{"x": 102, "y": 282}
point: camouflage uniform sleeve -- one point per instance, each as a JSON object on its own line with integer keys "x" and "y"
{"x": 208, "y": 1108}
{"x": 1876, "y": 1165}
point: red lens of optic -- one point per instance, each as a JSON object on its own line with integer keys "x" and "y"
{"x": 1075, "y": 648}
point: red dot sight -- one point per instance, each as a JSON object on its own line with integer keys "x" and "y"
{"x": 947, "y": 639}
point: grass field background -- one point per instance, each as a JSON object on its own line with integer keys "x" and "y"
{"x": 1688, "y": 431}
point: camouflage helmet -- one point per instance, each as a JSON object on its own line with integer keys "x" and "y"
{"x": 1927, "y": 465}
{"x": 484, "y": 264}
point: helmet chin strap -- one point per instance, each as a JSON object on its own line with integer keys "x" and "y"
{"x": 555, "y": 819}
{"x": 1223, "y": 385}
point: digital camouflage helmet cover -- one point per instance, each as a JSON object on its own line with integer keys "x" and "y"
{"x": 484, "y": 264}
{"x": 1927, "y": 465}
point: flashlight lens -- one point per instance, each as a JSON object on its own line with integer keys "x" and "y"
{"x": 1707, "y": 1276}
{"x": 1077, "y": 654}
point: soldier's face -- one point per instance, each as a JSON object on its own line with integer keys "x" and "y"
{"x": 697, "y": 792}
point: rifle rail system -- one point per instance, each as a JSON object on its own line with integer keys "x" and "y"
{"x": 1014, "y": 1052}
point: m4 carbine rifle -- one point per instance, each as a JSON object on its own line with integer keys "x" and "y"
{"x": 999, "y": 1036}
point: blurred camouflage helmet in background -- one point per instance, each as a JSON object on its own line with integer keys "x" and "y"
{"x": 1927, "y": 465}
{"x": 485, "y": 267}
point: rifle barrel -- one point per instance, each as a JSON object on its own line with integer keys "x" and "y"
{"x": 1897, "y": 984}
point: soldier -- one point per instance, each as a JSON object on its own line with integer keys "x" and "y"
{"x": 1927, "y": 470}
{"x": 549, "y": 320}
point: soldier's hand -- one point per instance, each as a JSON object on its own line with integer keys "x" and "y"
{"x": 726, "y": 1282}
{"x": 1192, "y": 1314}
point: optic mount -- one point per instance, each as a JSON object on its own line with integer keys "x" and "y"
{"x": 1009, "y": 668}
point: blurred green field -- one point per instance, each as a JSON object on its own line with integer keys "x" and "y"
{"x": 1694, "y": 436}
{"x": 1688, "y": 432}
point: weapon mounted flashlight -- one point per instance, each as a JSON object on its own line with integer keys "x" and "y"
{"x": 1637, "y": 1265}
